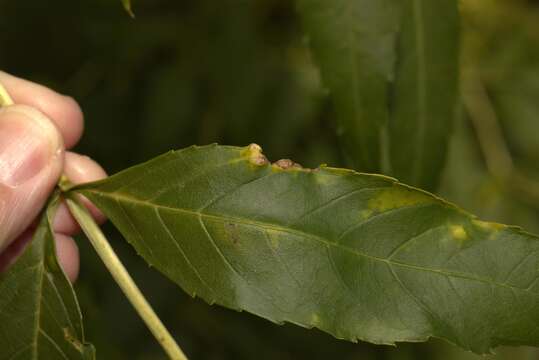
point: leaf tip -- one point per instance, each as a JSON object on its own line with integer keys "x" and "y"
{"x": 127, "y": 6}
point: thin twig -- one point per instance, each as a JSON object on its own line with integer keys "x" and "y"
{"x": 491, "y": 139}
{"x": 485, "y": 121}
{"x": 122, "y": 277}
{"x": 113, "y": 263}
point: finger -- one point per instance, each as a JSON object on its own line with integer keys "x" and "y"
{"x": 31, "y": 160}
{"x": 78, "y": 169}
{"x": 64, "y": 111}
{"x": 67, "y": 252}
{"x": 14, "y": 250}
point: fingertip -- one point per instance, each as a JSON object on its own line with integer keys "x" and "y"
{"x": 67, "y": 252}
{"x": 64, "y": 222}
{"x": 31, "y": 161}
{"x": 72, "y": 119}
{"x": 63, "y": 110}
{"x": 80, "y": 168}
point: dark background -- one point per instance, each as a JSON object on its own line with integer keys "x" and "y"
{"x": 239, "y": 71}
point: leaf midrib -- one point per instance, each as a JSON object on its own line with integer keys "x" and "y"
{"x": 42, "y": 270}
{"x": 127, "y": 198}
{"x": 37, "y": 321}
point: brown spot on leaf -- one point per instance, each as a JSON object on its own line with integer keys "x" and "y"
{"x": 72, "y": 339}
{"x": 255, "y": 156}
{"x": 287, "y": 164}
{"x": 232, "y": 232}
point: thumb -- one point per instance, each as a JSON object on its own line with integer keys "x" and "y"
{"x": 31, "y": 161}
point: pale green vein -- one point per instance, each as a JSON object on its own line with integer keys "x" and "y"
{"x": 418, "y": 301}
{"x": 53, "y": 343}
{"x": 128, "y": 218}
{"x": 60, "y": 300}
{"x": 335, "y": 200}
{"x": 277, "y": 257}
{"x": 405, "y": 243}
{"x": 180, "y": 249}
{"x": 357, "y": 225}
{"x": 37, "y": 313}
{"x": 275, "y": 227}
{"x": 225, "y": 259}
{"x": 20, "y": 352}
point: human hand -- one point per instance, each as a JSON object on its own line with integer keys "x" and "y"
{"x": 34, "y": 136}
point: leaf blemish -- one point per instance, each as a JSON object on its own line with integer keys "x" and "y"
{"x": 489, "y": 226}
{"x": 274, "y": 240}
{"x": 71, "y": 339}
{"x": 255, "y": 156}
{"x": 285, "y": 164}
{"x": 397, "y": 197}
{"x": 365, "y": 214}
{"x": 458, "y": 232}
{"x": 315, "y": 319}
{"x": 231, "y": 230}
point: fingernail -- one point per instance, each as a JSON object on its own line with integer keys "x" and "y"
{"x": 29, "y": 141}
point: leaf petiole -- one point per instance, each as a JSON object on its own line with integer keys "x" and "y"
{"x": 122, "y": 277}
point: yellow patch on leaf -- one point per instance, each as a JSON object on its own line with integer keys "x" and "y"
{"x": 397, "y": 197}
{"x": 458, "y": 232}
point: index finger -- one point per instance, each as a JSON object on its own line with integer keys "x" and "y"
{"x": 63, "y": 110}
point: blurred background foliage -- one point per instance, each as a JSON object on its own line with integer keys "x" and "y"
{"x": 239, "y": 71}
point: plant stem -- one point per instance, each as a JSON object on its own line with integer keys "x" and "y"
{"x": 122, "y": 277}
{"x": 5, "y": 99}
{"x": 492, "y": 141}
{"x": 486, "y": 124}
{"x": 113, "y": 263}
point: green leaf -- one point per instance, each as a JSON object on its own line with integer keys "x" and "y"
{"x": 39, "y": 314}
{"x": 354, "y": 43}
{"x": 424, "y": 95}
{"x": 392, "y": 68}
{"x": 128, "y": 8}
{"x": 359, "y": 256}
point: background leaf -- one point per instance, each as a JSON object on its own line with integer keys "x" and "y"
{"x": 127, "y": 7}
{"x": 358, "y": 256}
{"x": 236, "y": 72}
{"x": 354, "y": 44}
{"x": 389, "y": 64}
{"x": 424, "y": 94}
{"x": 39, "y": 314}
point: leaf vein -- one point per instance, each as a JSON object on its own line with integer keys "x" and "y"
{"x": 277, "y": 227}
{"x": 180, "y": 249}
{"x": 54, "y": 344}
